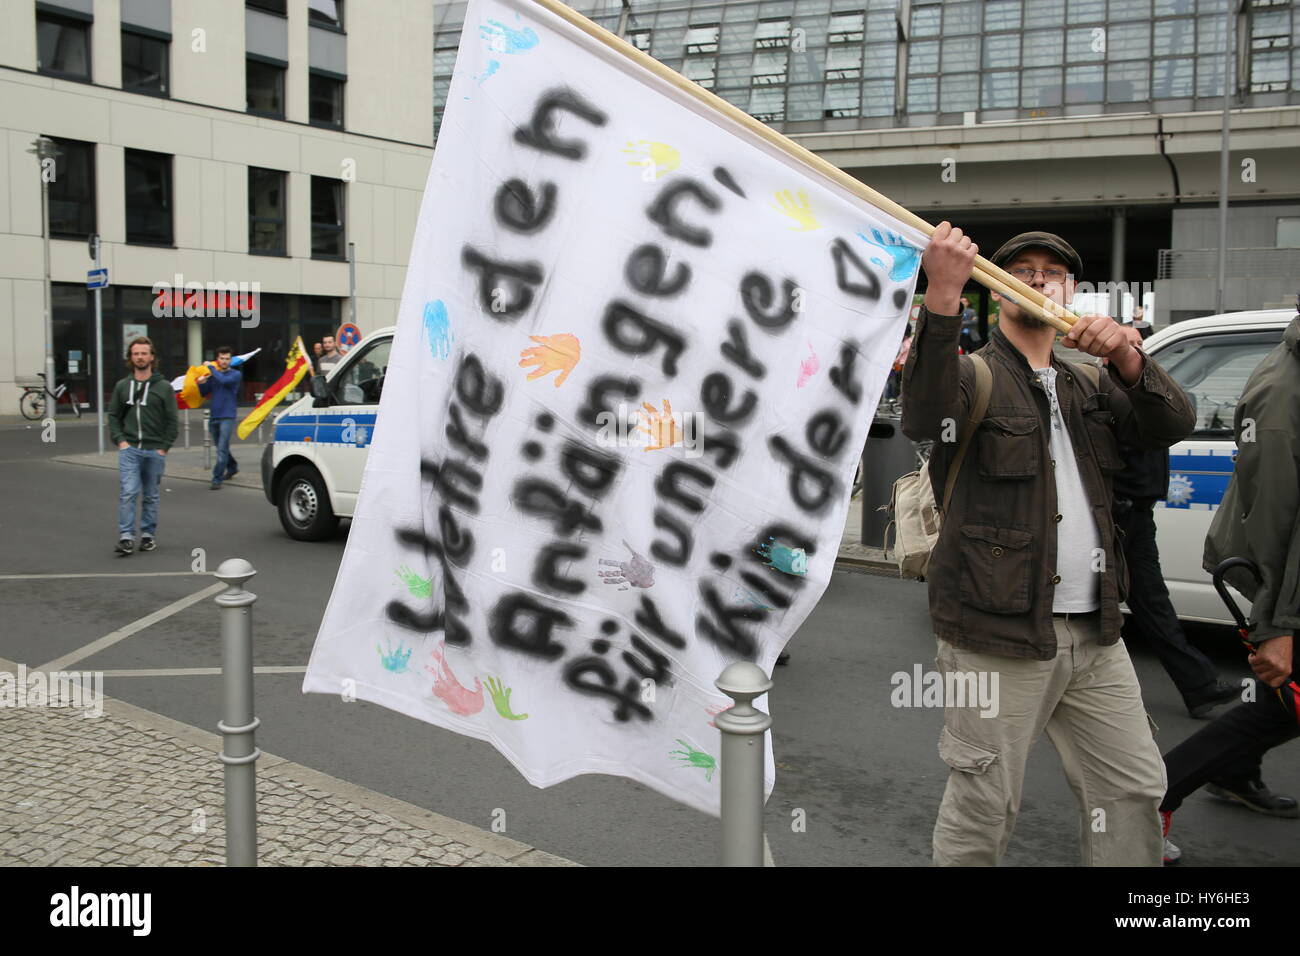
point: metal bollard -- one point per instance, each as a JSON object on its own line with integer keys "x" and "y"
{"x": 239, "y": 751}
{"x": 207, "y": 438}
{"x": 185, "y": 418}
{"x": 743, "y": 727}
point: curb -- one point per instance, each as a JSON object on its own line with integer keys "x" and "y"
{"x": 271, "y": 765}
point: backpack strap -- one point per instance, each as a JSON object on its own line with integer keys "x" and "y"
{"x": 983, "y": 390}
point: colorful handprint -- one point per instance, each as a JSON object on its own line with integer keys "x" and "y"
{"x": 649, "y": 155}
{"x": 661, "y": 429}
{"x": 798, "y": 208}
{"x": 394, "y": 659}
{"x": 636, "y": 573}
{"x": 417, "y": 586}
{"x": 553, "y": 353}
{"x": 691, "y": 757}
{"x": 904, "y": 257}
{"x": 501, "y": 700}
{"x": 782, "y": 557}
{"x": 458, "y": 698}
{"x": 808, "y": 367}
{"x": 503, "y": 39}
{"x": 437, "y": 328}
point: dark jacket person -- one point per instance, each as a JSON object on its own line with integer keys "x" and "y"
{"x": 1027, "y": 576}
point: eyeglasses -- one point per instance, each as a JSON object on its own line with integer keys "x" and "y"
{"x": 1051, "y": 275}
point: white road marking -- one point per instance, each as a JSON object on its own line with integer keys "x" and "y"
{"x": 107, "y": 574}
{"x": 108, "y": 640}
{"x": 197, "y": 671}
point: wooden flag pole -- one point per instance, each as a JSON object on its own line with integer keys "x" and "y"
{"x": 985, "y": 273}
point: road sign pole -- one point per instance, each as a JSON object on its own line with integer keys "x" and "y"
{"x": 99, "y": 348}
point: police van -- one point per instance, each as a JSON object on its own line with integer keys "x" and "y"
{"x": 1211, "y": 358}
{"x": 311, "y": 468}
{"x": 311, "y": 471}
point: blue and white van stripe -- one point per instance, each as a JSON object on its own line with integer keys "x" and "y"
{"x": 348, "y": 429}
{"x": 1199, "y": 478}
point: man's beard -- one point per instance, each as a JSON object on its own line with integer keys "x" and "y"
{"x": 1025, "y": 320}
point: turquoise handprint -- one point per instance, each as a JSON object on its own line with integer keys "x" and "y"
{"x": 437, "y": 328}
{"x": 904, "y": 257}
{"x": 395, "y": 658}
{"x": 782, "y": 557}
{"x": 503, "y": 39}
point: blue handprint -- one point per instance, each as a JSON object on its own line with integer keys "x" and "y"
{"x": 904, "y": 256}
{"x": 781, "y": 557}
{"x": 395, "y": 659}
{"x": 503, "y": 39}
{"x": 437, "y": 328}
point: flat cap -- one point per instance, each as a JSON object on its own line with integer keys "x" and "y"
{"x": 1044, "y": 240}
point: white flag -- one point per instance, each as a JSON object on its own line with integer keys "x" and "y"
{"x": 637, "y": 355}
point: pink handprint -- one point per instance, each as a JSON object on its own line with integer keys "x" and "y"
{"x": 458, "y": 698}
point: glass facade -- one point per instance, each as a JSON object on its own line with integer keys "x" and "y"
{"x": 807, "y": 65}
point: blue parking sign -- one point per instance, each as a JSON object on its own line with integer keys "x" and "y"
{"x": 97, "y": 279}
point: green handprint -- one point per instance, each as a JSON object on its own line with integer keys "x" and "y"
{"x": 695, "y": 758}
{"x": 501, "y": 700}
{"x": 418, "y": 586}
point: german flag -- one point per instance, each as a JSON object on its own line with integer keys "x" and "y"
{"x": 296, "y": 366}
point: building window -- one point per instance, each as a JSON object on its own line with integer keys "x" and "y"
{"x": 327, "y": 241}
{"x": 702, "y": 39}
{"x": 145, "y": 63}
{"x": 845, "y": 28}
{"x": 148, "y": 198}
{"x": 767, "y": 105}
{"x": 640, "y": 39}
{"x": 265, "y": 88}
{"x": 325, "y": 96}
{"x": 270, "y": 6}
{"x": 266, "y": 209}
{"x": 702, "y": 69}
{"x": 770, "y": 67}
{"x": 1288, "y": 232}
{"x": 62, "y": 46}
{"x": 844, "y": 63}
{"x": 841, "y": 100}
{"x": 772, "y": 35}
{"x": 72, "y": 190}
{"x": 325, "y": 13}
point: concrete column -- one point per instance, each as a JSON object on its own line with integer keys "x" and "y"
{"x": 1118, "y": 225}
{"x": 194, "y": 340}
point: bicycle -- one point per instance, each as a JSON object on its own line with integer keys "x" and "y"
{"x": 32, "y": 402}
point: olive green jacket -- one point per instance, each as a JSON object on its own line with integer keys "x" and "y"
{"x": 1259, "y": 517}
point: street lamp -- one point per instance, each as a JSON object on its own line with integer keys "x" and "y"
{"x": 46, "y": 153}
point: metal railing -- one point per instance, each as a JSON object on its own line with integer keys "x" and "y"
{"x": 1242, "y": 263}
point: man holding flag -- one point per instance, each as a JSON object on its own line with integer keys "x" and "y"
{"x": 297, "y": 365}
{"x": 222, "y": 385}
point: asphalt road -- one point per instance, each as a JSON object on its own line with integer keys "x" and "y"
{"x": 865, "y": 775}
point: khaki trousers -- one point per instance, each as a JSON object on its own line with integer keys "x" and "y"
{"x": 1089, "y": 702}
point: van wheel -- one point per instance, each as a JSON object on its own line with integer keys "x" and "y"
{"x": 304, "y": 505}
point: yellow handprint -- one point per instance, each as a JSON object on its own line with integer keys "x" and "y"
{"x": 555, "y": 353}
{"x": 663, "y": 431}
{"x": 659, "y": 158}
{"x": 798, "y": 208}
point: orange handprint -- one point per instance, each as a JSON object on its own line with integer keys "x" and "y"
{"x": 663, "y": 431}
{"x": 554, "y": 353}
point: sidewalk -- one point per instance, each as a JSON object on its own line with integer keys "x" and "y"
{"x": 188, "y": 463}
{"x": 131, "y": 788}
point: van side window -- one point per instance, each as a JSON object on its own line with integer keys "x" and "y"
{"x": 363, "y": 380}
{"x": 1213, "y": 369}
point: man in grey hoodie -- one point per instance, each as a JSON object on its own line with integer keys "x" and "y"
{"x": 143, "y": 423}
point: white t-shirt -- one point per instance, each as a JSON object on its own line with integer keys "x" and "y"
{"x": 1078, "y": 545}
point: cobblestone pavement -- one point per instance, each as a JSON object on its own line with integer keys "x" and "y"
{"x": 133, "y": 788}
